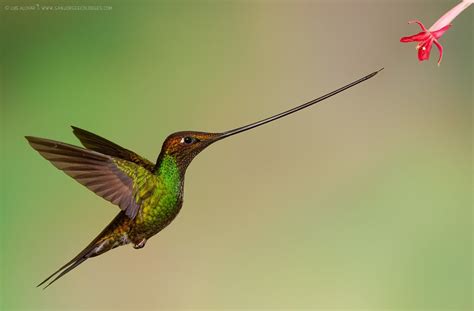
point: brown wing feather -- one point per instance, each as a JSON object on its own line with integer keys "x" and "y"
{"x": 96, "y": 171}
{"x": 102, "y": 145}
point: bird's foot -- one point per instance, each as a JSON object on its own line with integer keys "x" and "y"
{"x": 140, "y": 245}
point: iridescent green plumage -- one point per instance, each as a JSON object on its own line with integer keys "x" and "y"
{"x": 157, "y": 193}
{"x": 149, "y": 195}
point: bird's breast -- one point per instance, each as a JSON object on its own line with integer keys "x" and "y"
{"x": 157, "y": 211}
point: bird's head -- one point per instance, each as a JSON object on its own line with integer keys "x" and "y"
{"x": 184, "y": 146}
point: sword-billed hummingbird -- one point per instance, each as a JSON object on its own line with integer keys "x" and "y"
{"x": 149, "y": 195}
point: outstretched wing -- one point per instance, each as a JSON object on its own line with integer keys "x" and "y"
{"x": 119, "y": 181}
{"x": 102, "y": 145}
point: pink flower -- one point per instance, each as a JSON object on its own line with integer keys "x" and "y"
{"x": 427, "y": 37}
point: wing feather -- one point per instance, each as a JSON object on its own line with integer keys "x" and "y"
{"x": 98, "y": 172}
{"x": 95, "y": 142}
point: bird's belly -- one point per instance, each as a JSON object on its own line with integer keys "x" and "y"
{"x": 152, "y": 220}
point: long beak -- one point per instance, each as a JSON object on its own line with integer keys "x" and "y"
{"x": 300, "y": 107}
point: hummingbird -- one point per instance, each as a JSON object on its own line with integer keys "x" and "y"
{"x": 149, "y": 195}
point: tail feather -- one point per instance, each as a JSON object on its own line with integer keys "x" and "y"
{"x": 104, "y": 242}
{"x": 69, "y": 268}
{"x": 80, "y": 258}
{"x": 57, "y": 271}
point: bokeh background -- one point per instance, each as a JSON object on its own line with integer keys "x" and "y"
{"x": 364, "y": 202}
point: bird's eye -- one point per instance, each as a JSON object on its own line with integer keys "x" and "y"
{"x": 188, "y": 140}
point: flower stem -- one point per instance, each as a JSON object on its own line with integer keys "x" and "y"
{"x": 447, "y": 18}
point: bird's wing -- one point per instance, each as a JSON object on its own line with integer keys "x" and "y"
{"x": 119, "y": 181}
{"x": 102, "y": 145}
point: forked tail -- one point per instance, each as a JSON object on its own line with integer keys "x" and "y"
{"x": 108, "y": 239}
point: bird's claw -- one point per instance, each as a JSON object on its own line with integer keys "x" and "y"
{"x": 140, "y": 245}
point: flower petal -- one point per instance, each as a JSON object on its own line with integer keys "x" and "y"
{"x": 421, "y": 36}
{"x": 438, "y": 33}
{"x": 419, "y": 23}
{"x": 424, "y": 50}
{"x": 440, "y": 48}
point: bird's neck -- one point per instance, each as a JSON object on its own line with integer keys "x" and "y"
{"x": 169, "y": 171}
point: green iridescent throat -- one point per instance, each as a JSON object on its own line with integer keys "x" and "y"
{"x": 170, "y": 175}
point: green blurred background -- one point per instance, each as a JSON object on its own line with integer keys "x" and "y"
{"x": 364, "y": 202}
